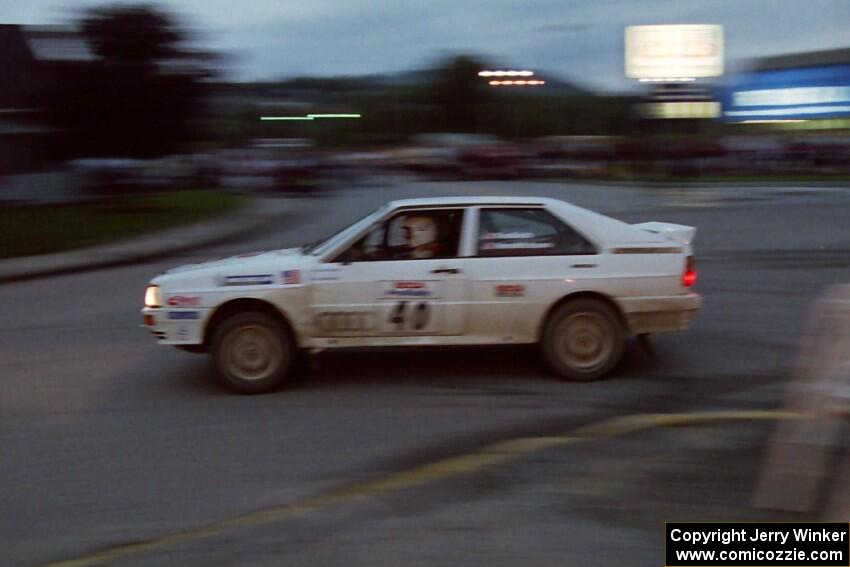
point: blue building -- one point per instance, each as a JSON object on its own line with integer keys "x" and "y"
{"x": 792, "y": 88}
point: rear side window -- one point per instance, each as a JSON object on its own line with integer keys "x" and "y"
{"x": 527, "y": 232}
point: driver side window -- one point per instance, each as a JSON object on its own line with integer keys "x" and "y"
{"x": 410, "y": 235}
{"x": 373, "y": 241}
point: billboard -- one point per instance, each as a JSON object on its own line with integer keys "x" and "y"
{"x": 674, "y": 51}
{"x": 804, "y": 93}
{"x": 681, "y": 110}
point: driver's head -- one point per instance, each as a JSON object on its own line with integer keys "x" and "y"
{"x": 420, "y": 231}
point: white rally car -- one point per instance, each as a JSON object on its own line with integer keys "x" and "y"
{"x": 448, "y": 271}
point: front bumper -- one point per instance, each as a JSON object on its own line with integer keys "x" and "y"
{"x": 172, "y": 326}
{"x": 659, "y": 314}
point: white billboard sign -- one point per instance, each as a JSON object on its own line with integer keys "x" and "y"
{"x": 674, "y": 51}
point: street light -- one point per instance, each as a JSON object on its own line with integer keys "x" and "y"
{"x": 521, "y": 83}
{"x": 508, "y": 73}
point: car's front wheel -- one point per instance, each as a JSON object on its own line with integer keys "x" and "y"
{"x": 251, "y": 353}
{"x": 583, "y": 340}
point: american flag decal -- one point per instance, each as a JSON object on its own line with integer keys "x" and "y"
{"x": 290, "y": 277}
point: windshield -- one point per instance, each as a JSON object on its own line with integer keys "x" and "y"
{"x": 324, "y": 245}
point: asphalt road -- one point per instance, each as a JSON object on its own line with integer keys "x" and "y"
{"x": 107, "y": 439}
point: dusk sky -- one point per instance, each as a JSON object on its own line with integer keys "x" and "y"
{"x": 577, "y": 40}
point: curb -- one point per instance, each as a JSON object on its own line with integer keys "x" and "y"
{"x": 242, "y": 222}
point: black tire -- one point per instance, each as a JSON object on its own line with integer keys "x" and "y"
{"x": 583, "y": 340}
{"x": 251, "y": 353}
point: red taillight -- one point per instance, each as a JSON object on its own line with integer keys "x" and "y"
{"x": 149, "y": 319}
{"x": 689, "y": 276}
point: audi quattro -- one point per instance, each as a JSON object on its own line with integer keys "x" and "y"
{"x": 449, "y": 271}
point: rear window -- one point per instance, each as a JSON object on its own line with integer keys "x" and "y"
{"x": 527, "y": 232}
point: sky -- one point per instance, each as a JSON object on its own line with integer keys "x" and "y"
{"x": 576, "y": 40}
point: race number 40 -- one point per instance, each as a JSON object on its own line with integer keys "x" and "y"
{"x": 407, "y": 316}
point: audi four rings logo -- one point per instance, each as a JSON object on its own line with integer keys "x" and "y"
{"x": 345, "y": 321}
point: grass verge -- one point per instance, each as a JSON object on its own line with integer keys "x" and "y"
{"x": 27, "y": 231}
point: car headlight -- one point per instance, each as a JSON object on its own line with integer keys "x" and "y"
{"x": 153, "y": 296}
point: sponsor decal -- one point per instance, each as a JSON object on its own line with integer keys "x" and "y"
{"x": 345, "y": 321}
{"x": 325, "y": 274}
{"x": 510, "y": 290}
{"x": 184, "y": 301}
{"x": 183, "y": 315}
{"x": 409, "y": 289}
{"x": 507, "y": 236}
{"x": 645, "y": 250}
{"x": 515, "y": 245}
{"x": 248, "y": 279}
{"x": 290, "y": 277}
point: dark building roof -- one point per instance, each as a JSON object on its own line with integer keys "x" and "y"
{"x": 36, "y": 60}
{"x": 17, "y": 68}
{"x": 797, "y": 60}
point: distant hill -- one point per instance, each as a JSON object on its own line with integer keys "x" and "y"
{"x": 554, "y": 85}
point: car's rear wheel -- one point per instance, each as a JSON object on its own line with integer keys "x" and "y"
{"x": 251, "y": 353}
{"x": 583, "y": 340}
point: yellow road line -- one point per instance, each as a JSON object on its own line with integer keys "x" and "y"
{"x": 481, "y": 459}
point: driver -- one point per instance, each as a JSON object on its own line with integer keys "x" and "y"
{"x": 421, "y": 235}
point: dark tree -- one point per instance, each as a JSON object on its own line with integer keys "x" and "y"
{"x": 145, "y": 94}
{"x": 461, "y": 92}
{"x": 134, "y": 36}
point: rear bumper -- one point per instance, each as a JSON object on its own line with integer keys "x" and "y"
{"x": 659, "y": 314}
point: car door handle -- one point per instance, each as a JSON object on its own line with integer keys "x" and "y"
{"x": 445, "y": 271}
{"x": 582, "y": 265}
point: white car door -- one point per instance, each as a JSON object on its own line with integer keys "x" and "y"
{"x": 403, "y": 277}
{"x": 524, "y": 259}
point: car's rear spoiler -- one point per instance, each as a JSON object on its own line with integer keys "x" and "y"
{"x": 677, "y": 232}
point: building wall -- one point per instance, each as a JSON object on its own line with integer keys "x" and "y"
{"x": 799, "y": 93}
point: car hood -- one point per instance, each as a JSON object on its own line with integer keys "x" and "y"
{"x": 247, "y": 259}
{"x": 260, "y": 268}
